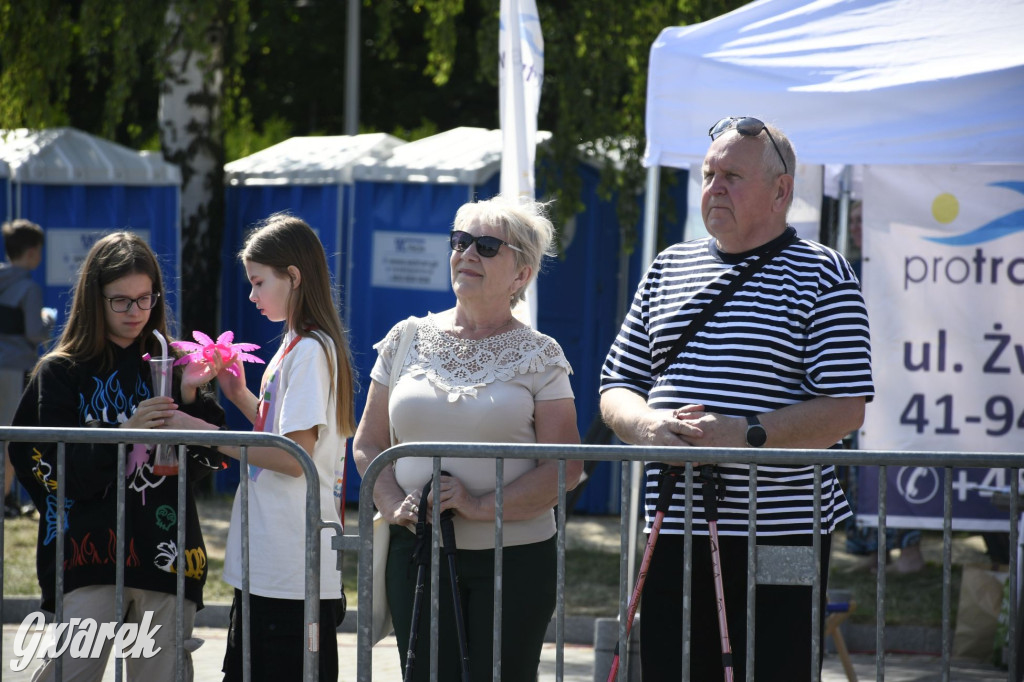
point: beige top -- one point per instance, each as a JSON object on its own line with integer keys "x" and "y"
{"x": 456, "y": 390}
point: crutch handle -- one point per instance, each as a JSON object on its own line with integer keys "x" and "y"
{"x": 448, "y": 531}
{"x": 667, "y": 487}
{"x": 421, "y": 550}
{"x": 708, "y": 492}
{"x": 448, "y": 526}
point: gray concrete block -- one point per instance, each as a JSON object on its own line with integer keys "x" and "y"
{"x": 606, "y": 640}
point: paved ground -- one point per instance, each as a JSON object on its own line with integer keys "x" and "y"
{"x": 579, "y": 663}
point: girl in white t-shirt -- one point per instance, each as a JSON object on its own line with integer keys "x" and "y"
{"x": 306, "y": 395}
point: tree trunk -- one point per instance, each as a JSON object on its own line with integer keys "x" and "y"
{"x": 191, "y": 136}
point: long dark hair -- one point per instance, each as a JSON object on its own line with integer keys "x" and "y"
{"x": 114, "y": 256}
{"x": 283, "y": 240}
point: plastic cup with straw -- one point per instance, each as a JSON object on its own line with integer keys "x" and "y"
{"x": 161, "y": 372}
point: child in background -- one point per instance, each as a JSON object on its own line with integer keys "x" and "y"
{"x": 24, "y": 324}
{"x": 96, "y": 377}
{"x": 306, "y": 395}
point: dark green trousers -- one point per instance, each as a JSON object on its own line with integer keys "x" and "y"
{"x": 528, "y": 601}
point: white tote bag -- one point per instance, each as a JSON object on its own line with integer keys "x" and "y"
{"x": 382, "y": 626}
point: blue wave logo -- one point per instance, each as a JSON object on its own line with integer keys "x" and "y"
{"x": 1004, "y": 226}
{"x": 526, "y": 32}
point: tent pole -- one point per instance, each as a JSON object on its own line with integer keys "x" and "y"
{"x": 843, "y": 228}
{"x": 636, "y": 477}
{"x": 352, "y": 69}
{"x": 651, "y": 215}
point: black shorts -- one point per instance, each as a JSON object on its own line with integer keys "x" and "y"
{"x": 278, "y": 639}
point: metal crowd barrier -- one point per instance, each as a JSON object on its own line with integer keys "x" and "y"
{"x": 755, "y": 572}
{"x": 124, "y": 438}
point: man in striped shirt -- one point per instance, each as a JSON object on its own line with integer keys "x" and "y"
{"x": 784, "y": 363}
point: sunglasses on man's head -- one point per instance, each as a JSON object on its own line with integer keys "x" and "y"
{"x": 748, "y": 127}
{"x": 486, "y": 246}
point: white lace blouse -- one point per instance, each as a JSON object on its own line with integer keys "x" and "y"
{"x": 458, "y": 390}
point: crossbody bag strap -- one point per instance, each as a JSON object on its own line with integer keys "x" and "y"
{"x": 398, "y": 361}
{"x": 715, "y": 304}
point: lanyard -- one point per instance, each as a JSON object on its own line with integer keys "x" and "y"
{"x": 263, "y": 407}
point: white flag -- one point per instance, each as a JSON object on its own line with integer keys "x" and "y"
{"x": 520, "y": 75}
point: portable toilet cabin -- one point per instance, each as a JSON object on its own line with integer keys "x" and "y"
{"x": 403, "y": 208}
{"x": 78, "y": 187}
{"x": 402, "y": 211}
{"x": 311, "y": 178}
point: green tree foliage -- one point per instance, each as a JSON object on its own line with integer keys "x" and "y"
{"x": 35, "y": 82}
{"x": 295, "y": 71}
{"x": 99, "y": 65}
{"x": 74, "y": 63}
{"x": 595, "y": 64}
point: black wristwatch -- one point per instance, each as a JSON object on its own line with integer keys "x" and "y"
{"x": 756, "y": 435}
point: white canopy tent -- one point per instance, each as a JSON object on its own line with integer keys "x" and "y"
{"x": 850, "y": 81}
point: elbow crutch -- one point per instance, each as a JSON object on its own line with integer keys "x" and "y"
{"x": 421, "y": 557}
{"x": 448, "y": 534}
{"x": 710, "y": 479}
{"x": 667, "y": 485}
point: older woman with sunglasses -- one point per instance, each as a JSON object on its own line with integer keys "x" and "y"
{"x": 475, "y": 373}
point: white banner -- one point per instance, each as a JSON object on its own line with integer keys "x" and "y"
{"x": 520, "y": 76}
{"x": 943, "y": 276}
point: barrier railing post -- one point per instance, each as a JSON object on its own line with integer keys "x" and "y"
{"x": 59, "y": 550}
{"x": 687, "y": 572}
{"x": 122, "y": 455}
{"x": 243, "y": 492}
{"x": 880, "y": 579}
{"x": 435, "y": 570}
{"x": 179, "y": 601}
{"x": 751, "y": 572}
{"x": 947, "y": 571}
{"x": 560, "y": 576}
{"x": 499, "y": 535}
{"x": 816, "y": 586}
{"x": 625, "y": 552}
{"x": 1012, "y": 635}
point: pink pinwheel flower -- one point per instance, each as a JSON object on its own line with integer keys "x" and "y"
{"x": 206, "y": 349}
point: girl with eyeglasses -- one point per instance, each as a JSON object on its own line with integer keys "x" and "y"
{"x": 306, "y": 395}
{"x": 475, "y": 373}
{"x": 96, "y": 377}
